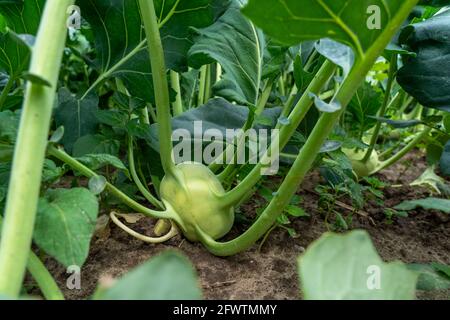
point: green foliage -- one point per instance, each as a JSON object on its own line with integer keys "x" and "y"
{"x": 432, "y": 276}
{"x": 76, "y": 116}
{"x": 65, "y": 223}
{"x": 427, "y": 204}
{"x": 304, "y": 20}
{"x": 423, "y": 76}
{"x": 109, "y": 119}
{"x": 168, "y": 276}
{"x": 238, "y": 46}
{"x": 128, "y": 60}
{"x": 22, "y": 21}
{"x": 366, "y": 103}
{"x": 347, "y": 267}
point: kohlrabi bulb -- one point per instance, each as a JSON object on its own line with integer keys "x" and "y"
{"x": 362, "y": 169}
{"x": 193, "y": 194}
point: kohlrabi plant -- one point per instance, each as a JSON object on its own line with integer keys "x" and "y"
{"x": 111, "y": 81}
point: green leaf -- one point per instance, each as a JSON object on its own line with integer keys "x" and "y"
{"x": 323, "y": 106}
{"x": 76, "y": 116}
{"x": 33, "y": 78}
{"x": 430, "y": 278}
{"x": 97, "y": 184}
{"x": 302, "y": 77}
{"x": 65, "y": 223}
{"x": 217, "y": 114}
{"x": 340, "y": 54}
{"x": 169, "y": 276}
{"x": 238, "y": 46}
{"x": 296, "y": 211}
{"x": 22, "y": 18}
{"x": 345, "y": 21}
{"x": 9, "y": 124}
{"x": 57, "y": 135}
{"x": 342, "y": 267}
{"x": 96, "y": 144}
{"x": 51, "y": 172}
{"x": 445, "y": 269}
{"x": 401, "y": 124}
{"x": 120, "y": 40}
{"x": 429, "y": 179}
{"x": 98, "y": 161}
{"x": 366, "y": 102}
{"x": 427, "y": 204}
{"x": 423, "y": 77}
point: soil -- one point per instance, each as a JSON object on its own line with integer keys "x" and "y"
{"x": 271, "y": 273}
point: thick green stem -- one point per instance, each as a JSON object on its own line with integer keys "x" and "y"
{"x": 144, "y": 117}
{"x": 29, "y": 154}
{"x": 88, "y": 173}
{"x": 43, "y": 278}
{"x": 286, "y": 131}
{"x": 208, "y": 84}
{"x": 202, "y": 85}
{"x": 218, "y": 72}
{"x": 6, "y": 91}
{"x": 264, "y": 98}
{"x": 387, "y": 96}
{"x": 281, "y": 87}
{"x": 399, "y": 155}
{"x": 160, "y": 84}
{"x": 178, "y": 103}
{"x": 239, "y": 141}
{"x": 150, "y": 198}
{"x": 151, "y": 110}
{"x": 310, "y": 150}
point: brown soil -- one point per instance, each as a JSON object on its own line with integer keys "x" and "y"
{"x": 423, "y": 237}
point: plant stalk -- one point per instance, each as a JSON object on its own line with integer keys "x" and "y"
{"x": 88, "y": 173}
{"x": 178, "y": 103}
{"x": 286, "y": 131}
{"x": 387, "y": 96}
{"x": 310, "y": 150}
{"x": 29, "y": 153}
{"x": 43, "y": 278}
{"x": 160, "y": 83}
{"x": 202, "y": 86}
{"x": 399, "y": 155}
{"x": 150, "y": 198}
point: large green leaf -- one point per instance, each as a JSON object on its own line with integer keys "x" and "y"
{"x": 22, "y": 18}
{"x": 346, "y": 21}
{"x": 77, "y": 116}
{"x": 169, "y": 276}
{"x": 238, "y": 46}
{"x": 427, "y": 204}
{"x": 342, "y": 267}
{"x": 217, "y": 114}
{"x": 366, "y": 102}
{"x": 120, "y": 38}
{"x": 65, "y": 223}
{"x": 423, "y": 76}
{"x": 96, "y": 144}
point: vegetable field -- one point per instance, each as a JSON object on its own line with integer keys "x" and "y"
{"x": 225, "y": 149}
